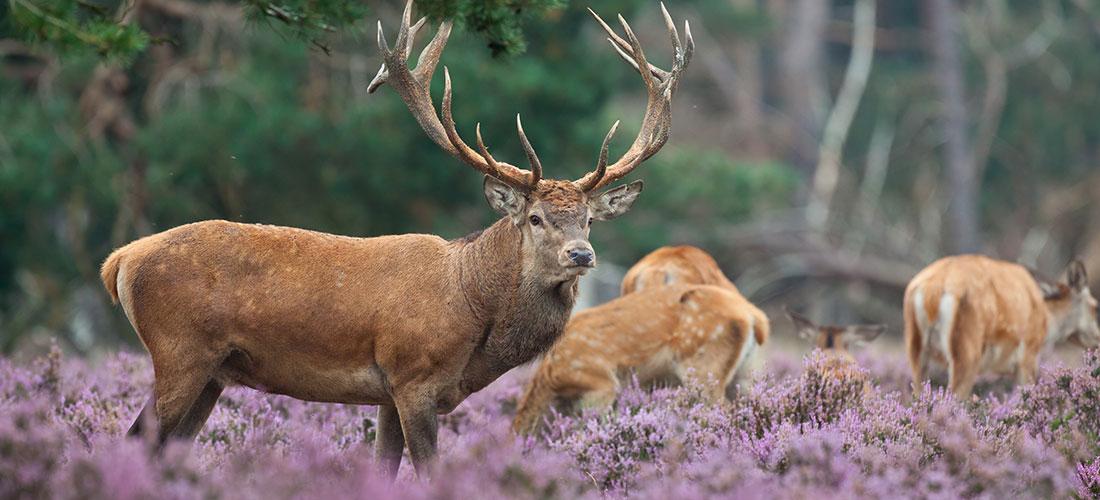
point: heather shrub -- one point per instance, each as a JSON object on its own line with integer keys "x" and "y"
{"x": 1062, "y": 408}
{"x": 793, "y": 432}
{"x": 812, "y": 399}
{"x": 1088, "y": 479}
{"x": 31, "y": 447}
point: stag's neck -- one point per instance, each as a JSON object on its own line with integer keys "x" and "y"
{"x": 521, "y": 313}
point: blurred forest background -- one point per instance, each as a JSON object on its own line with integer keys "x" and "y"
{"x": 823, "y": 151}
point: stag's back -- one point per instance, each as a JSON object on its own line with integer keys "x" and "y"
{"x": 288, "y": 299}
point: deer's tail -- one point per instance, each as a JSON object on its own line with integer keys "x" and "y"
{"x": 109, "y": 273}
{"x": 761, "y": 327}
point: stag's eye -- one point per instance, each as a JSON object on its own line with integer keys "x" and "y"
{"x": 535, "y": 220}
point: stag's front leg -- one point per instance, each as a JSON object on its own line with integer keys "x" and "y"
{"x": 389, "y": 441}
{"x": 417, "y": 411}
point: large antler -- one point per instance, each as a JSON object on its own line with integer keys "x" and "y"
{"x": 414, "y": 87}
{"x": 660, "y": 85}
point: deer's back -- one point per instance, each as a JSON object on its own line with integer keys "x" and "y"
{"x": 289, "y": 297}
{"x": 996, "y": 301}
{"x": 674, "y": 265}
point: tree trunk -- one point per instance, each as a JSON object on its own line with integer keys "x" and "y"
{"x": 840, "y": 118}
{"x": 749, "y": 98}
{"x": 962, "y": 186}
{"x": 801, "y": 75}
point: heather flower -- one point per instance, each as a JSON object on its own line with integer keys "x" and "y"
{"x": 1088, "y": 479}
{"x": 793, "y": 432}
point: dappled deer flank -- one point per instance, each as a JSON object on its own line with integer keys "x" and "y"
{"x": 412, "y": 323}
{"x": 836, "y": 343}
{"x": 973, "y": 314}
{"x": 662, "y": 334}
{"x": 683, "y": 265}
{"x": 678, "y": 265}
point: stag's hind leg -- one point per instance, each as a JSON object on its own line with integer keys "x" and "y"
{"x": 200, "y": 410}
{"x": 146, "y": 417}
{"x": 184, "y": 391}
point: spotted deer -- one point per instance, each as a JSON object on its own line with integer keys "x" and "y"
{"x": 836, "y": 343}
{"x": 682, "y": 264}
{"x": 664, "y": 333}
{"x": 973, "y": 314}
{"x": 673, "y": 265}
{"x": 412, "y": 323}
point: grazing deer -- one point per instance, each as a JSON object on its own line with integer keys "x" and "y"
{"x": 412, "y": 323}
{"x": 659, "y": 334}
{"x": 684, "y": 265}
{"x": 975, "y": 314}
{"x": 836, "y": 342}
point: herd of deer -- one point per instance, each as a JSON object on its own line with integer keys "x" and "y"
{"x": 414, "y": 323}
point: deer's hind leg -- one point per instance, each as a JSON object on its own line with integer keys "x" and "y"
{"x": 185, "y": 390}
{"x": 600, "y": 397}
{"x": 965, "y": 356}
{"x": 200, "y": 410}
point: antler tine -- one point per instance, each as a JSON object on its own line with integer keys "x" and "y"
{"x": 404, "y": 38}
{"x": 671, "y": 26}
{"x": 636, "y": 51}
{"x": 660, "y": 86}
{"x": 429, "y": 57}
{"x": 382, "y": 45}
{"x": 503, "y": 171}
{"x": 484, "y": 150}
{"x": 532, "y": 158}
{"x": 623, "y": 47}
{"x": 414, "y": 30}
{"x": 414, "y": 87}
{"x": 612, "y": 36}
{"x": 589, "y": 182}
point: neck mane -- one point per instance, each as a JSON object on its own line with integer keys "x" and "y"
{"x": 521, "y": 313}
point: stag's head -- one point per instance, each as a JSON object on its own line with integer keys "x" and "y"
{"x": 1072, "y": 306}
{"x": 554, "y": 216}
{"x": 830, "y": 338}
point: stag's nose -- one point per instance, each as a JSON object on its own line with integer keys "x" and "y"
{"x": 581, "y": 256}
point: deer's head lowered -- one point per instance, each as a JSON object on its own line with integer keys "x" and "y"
{"x": 1073, "y": 309}
{"x": 553, "y": 216}
{"x": 839, "y": 340}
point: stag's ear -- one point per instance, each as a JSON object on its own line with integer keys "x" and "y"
{"x": 614, "y": 202}
{"x": 504, "y": 198}
{"x": 861, "y": 334}
{"x": 806, "y": 329}
{"x": 1076, "y": 276}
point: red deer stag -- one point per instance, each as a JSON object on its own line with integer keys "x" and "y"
{"x": 412, "y": 323}
{"x": 659, "y": 334}
{"x": 976, "y": 314}
{"x": 685, "y": 265}
{"x": 836, "y": 343}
